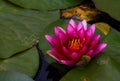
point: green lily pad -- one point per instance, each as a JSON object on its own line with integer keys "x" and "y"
{"x": 110, "y": 6}
{"x": 45, "y": 5}
{"x": 113, "y": 41}
{"x": 26, "y": 62}
{"x": 14, "y": 76}
{"x": 20, "y": 28}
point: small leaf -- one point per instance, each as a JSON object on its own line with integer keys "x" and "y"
{"x": 105, "y": 28}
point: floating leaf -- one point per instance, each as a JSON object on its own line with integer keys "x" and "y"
{"x": 13, "y": 76}
{"x": 105, "y": 28}
{"x": 26, "y": 62}
{"x": 20, "y": 28}
{"x": 113, "y": 40}
{"x": 44, "y": 5}
{"x": 110, "y": 6}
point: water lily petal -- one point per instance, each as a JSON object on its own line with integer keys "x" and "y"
{"x": 57, "y": 54}
{"x": 92, "y": 27}
{"x": 90, "y": 53}
{"x": 81, "y": 33}
{"x": 89, "y": 35}
{"x": 60, "y": 34}
{"x": 72, "y": 22}
{"x": 74, "y": 55}
{"x": 51, "y": 40}
{"x": 65, "y": 50}
{"x": 70, "y": 31}
{"x": 100, "y": 47}
{"x": 84, "y": 23}
{"x": 75, "y": 35}
{"x": 52, "y": 55}
{"x": 83, "y": 50}
{"x": 79, "y": 26}
{"x": 95, "y": 41}
{"x": 67, "y": 62}
{"x": 58, "y": 30}
{"x": 69, "y": 55}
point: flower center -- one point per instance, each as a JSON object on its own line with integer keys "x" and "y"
{"x": 75, "y": 44}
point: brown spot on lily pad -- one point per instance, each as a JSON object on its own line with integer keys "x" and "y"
{"x": 103, "y": 61}
{"x": 2, "y": 68}
{"x": 85, "y": 79}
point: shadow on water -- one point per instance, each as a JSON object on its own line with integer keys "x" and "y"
{"x": 50, "y": 72}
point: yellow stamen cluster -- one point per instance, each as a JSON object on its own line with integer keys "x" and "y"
{"x": 75, "y": 44}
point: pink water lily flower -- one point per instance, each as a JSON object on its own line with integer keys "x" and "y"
{"x": 77, "y": 41}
